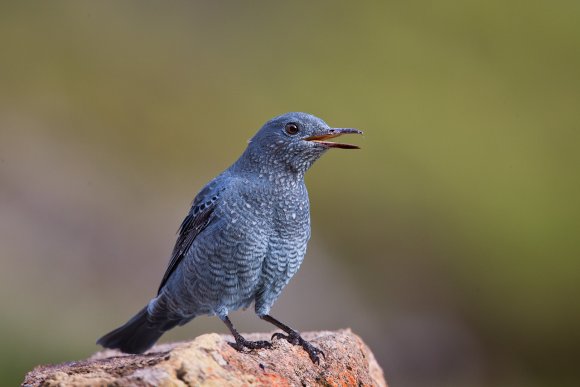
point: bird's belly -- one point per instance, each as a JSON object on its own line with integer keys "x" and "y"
{"x": 285, "y": 254}
{"x": 284, "y": 259}
{"x": 223, "y": 273}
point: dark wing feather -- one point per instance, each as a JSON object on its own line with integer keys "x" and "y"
{"x": 198, "y": 218}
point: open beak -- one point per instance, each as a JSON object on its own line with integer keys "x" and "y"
{"x": 332, "y": 133}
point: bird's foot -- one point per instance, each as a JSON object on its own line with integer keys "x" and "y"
{"x": 296, "y": 339}
{"x": 242, "y": 343}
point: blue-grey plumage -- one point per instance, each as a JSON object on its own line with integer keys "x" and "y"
{"x": 243, "y": 239}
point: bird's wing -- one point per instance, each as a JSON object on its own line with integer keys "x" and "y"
{"x": 198, "y": 218}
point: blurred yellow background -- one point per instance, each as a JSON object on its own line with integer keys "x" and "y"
{"x": 450, "y": 242}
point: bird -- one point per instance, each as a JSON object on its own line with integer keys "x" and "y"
{"x": 243, "y": 239}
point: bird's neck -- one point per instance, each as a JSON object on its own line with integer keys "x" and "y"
{"x": 272, "y": 168}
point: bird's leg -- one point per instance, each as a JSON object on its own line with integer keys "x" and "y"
{"x": 293, "y": 337}
{"x": 242, "y": 343}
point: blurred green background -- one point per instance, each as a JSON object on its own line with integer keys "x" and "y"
{"x": 450, "y": 242}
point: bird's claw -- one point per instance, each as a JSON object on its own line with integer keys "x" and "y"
{"x": 292, "y": 339}
{"x": 312, "y": 351}
{"x": 239, "y": 345}
{"x": 296, "y": 339}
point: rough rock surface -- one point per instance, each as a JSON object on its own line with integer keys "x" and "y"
{"x": 210, "y": 361}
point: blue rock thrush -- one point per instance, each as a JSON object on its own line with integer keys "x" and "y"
{"x": 243, "y": 239}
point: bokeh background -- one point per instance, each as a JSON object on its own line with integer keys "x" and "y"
{"x": 450, "y": 242}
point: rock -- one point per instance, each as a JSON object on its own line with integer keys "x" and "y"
{"x": 210, "y": 361}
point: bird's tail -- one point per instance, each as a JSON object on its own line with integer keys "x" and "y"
{"x": 136, "y": 336}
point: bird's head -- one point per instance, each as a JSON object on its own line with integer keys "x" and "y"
{"x": 294, "y": 141}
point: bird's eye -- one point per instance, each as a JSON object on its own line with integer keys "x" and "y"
{"x": 291, "y": 128}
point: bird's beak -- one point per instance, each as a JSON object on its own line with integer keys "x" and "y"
{"x": 331, "y": 133}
